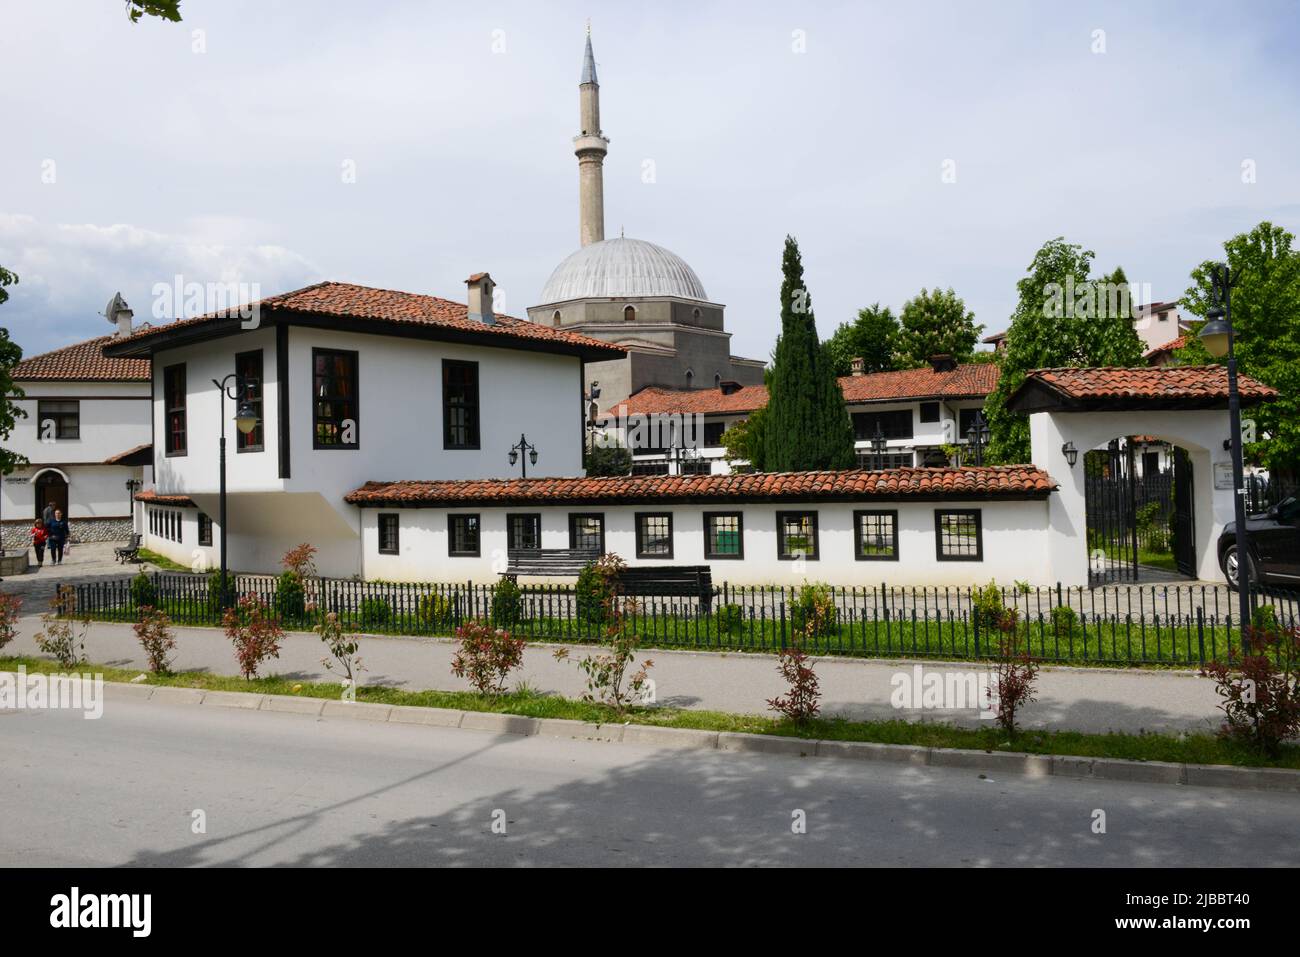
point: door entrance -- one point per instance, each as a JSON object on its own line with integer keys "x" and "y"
{"x": 51, "y": 489}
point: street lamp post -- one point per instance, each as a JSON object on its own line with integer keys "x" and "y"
{"x": 246, "y": 422}
{"x": 978, "y": 435}
{"x": 517, "y": 455}
{"x": 132, "y": 486}
{"x": 1217, "y": 335}
{"x": 878, "y": 445}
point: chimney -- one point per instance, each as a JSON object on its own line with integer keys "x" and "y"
{"x": 942, "y": 362}
{"x": 858, "y": 365}
{"x": 480, "y": 298}
{"x": 119, "y": 314}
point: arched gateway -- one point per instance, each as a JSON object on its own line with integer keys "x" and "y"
{"x": 1084, "y": 425}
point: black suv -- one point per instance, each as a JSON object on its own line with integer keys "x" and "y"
{"x": 1274, "y": 546}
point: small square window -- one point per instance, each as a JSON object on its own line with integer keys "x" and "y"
{"x": 875, "y": 536}
{"x": 389, "y": 534}
{"x": 524, "y": 532}
{"x": 462, "y": 536}
{"x": 724, "y": 535}
{"x": 796, "y": 535}
{"x": 654, "y": 535}
{"x": 205, "y": 530}
{"x": 958, "y": 535}
{"x": 58, "y": 418}
{"x": 587, "y": 531}
{"x": 929, "y": 411}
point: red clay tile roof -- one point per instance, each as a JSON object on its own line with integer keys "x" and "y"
{"x": 150, "y": 497}
{"x": 1163, "y": 384}
{"x": 1172, "y": 346}
{"x": 124, "y": 458}
{"x": 84, "y": 361}
{"x": 1006, "y": 481}
{"x": 387, "y": 307}
{"x": 971, "y": 381}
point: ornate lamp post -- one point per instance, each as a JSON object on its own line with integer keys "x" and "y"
{"x": 1217, "y": 334}
{"x": 978, "y": 436}
{"x": 132, "y": 486}
{"x": 516, "y": 451}
{"x": 878, "y": 446}
{"x": 236, "y": 387}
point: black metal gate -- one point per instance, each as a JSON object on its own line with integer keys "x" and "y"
{"x": 1110, "y": 501}
{"x": 1184, "y": 525}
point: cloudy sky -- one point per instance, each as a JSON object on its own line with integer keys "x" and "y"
{"x": 138, "y": 153}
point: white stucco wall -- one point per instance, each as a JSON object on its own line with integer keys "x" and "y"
{"x": 1015, "y": 544}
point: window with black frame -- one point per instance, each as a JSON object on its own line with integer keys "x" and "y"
{"x": 389, "y": 534}
{"x": 463, "y": 536}
{"x": 524, "y": 532}
{"x": 724, "y": 535}
{"x": 654, "y": 535}
{"x": 248, "y": 368}
{"x": 174, "y": 409}
{"x": 205, "y": 530}
{"x": 958, "y": 535}
{"x": 796, "y": 535}
{"x": 58, "y": 418}
{"x": 337, "y": 419}
{"x": 894, "y": 424}
{"x": 587, "y": 531}
{"x": 875, "y": 535}
{"x": 460, "y": 411}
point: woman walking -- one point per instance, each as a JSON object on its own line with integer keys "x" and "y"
{"x": 57, "y": 535}
{"x": 38, "y": 535}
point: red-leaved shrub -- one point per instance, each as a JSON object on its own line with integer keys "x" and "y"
{"x": 1261, "y": 690}
{"x": 1014, "y": 672}
{"x": 255, "y": 632}
{"x": 801, "y": 704}
{"x": 9, "y": 607}
{"x": 486, "y": 656}
{"x": 154, "y": 630}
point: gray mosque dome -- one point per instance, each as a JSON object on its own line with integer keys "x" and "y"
{"x": 622, "y": 269}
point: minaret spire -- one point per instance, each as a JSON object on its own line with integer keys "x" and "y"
{"x": 590, "y": 146}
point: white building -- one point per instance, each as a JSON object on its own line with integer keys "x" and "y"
{"x": 923, "y": 415}
{"x": 85, "y": 434}
{"x": 350, "y": 384}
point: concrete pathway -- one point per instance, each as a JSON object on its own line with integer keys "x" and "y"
{"x": 285, "y": 789}
{"x": 1082, "y": 699}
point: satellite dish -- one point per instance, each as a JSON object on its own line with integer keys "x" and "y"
{"x": 115, "y": 305}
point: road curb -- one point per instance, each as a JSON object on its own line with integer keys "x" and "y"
{"x": 999, "y": 762}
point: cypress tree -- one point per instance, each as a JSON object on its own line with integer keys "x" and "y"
{"x": 806, "y": 425}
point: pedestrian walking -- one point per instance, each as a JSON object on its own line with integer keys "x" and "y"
{"x": 57, "y": 535}
{"x": 39, "y": 536}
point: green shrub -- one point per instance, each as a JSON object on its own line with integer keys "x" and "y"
{"x": 593, "y": 594}
{"x": 988, "y": 609}
{"x": 731, "y": 620}
{"x": 1065, "y": 620}
{"x": 214, "y": 592}
{"x": 290, "y": 595}
{"x": 437, "y": 611}
{"x": 143, "y": 591}
{"x": 507, "y": 603}
{"x": 813, "y": 612}
{"x": 375, "y": 612}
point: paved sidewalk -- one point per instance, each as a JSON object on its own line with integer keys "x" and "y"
{"x": 1069, "y": 698}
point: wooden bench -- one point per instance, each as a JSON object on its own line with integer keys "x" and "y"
{"x": 668, "y": 581}
{"x": 548, "y": 562}
{"x": 129, "y": 552}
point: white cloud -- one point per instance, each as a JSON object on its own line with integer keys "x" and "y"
{"x": 68, "y": 271}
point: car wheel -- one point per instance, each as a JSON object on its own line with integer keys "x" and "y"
{"x": 1232, "y": 568}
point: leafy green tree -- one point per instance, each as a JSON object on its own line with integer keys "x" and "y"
{"x": 744, "y": 440}
{"x": 613, "y": 459}
{"x": 806, "y": 425}
{"x": 163, "y": 9}
{"x": 872, "y": 337}
{"x": 1057, "y": 322}
{"x": 1265, "y": 271}
{"x": 936, "y": 323}
{"x": 10, "y": 355}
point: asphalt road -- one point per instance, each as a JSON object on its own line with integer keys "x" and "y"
{"x": 295, "y": 790}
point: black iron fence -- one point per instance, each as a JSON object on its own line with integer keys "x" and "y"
{"x": 1151, "y": 624}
